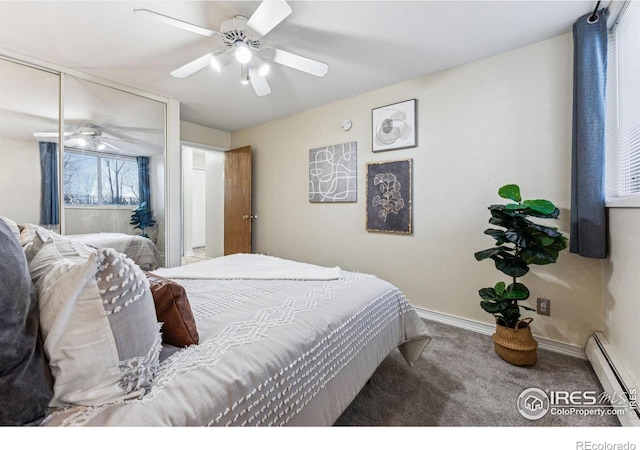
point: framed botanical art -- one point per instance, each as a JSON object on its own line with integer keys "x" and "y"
{"x": 333, "y": 173}
{"x": 394, "y": 126}
{"x": 389, "y": 188}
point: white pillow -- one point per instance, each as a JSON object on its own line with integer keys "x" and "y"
{"x": 98, "y": 323}
{"x": 30, "y": 244}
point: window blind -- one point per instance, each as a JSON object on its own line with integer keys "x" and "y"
{"x": 624, "y": 105}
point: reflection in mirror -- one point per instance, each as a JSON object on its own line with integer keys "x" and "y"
{"x": 113, "y": 170}
{"x": 29, "y": 101}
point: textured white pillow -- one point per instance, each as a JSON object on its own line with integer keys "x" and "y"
{"x": 30, "y": 244}
{"x": 98, "y": 322}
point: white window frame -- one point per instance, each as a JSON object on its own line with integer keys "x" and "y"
{"x": 99, "y": 156}
{"x": 615, "y": 197}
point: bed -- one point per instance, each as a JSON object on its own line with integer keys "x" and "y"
{"x": 140, "y": 249}
{"x": 278, "y": 342}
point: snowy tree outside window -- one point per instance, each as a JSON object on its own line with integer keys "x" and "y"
{"x": 93, "y": 179}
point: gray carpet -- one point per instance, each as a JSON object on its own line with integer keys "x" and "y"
{"x": 460, "y": 381}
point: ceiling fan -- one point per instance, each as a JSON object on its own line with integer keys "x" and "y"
{"x": 242, "y": 42}
{"x": 86, "y": 137}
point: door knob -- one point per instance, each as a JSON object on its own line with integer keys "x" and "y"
{"x": 251, "y": 217}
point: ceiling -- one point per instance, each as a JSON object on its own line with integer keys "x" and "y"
{"x": 367, "y": 45}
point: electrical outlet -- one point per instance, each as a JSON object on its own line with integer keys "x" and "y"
{"x": 544, "y": 306}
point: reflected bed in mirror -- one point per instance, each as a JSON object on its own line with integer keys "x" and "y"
{"x": 139, "y": 248}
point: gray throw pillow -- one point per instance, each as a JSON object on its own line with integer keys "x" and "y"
{"x": 98, "y": 323}
{"x": 25, "y": 377}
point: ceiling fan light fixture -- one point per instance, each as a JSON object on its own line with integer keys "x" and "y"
{"x": 242, "y": 42}
{"x": 242, "y": 52}
{"x": 261, "y": 66}
{"x": 263, "y": 69}
{"x": 244, "y": 74}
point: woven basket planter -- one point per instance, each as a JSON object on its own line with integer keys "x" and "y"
{"x": 516, "y": 345}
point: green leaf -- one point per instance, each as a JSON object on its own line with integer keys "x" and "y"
{"x": 539, "y": 256}
{"x": 493, "y": 308}
{"x": 511, "y": 266}
{"x": 517, "y": 291}
{"x": 541, "y": 206}
{"x": 542, "y": 240}
{"x": 511, "y": 192}
{"x": 516, "y": 237}
{"x": 488, "y": 253}
{"x": 499, "y": 288}
{"x": 488, "y": 293}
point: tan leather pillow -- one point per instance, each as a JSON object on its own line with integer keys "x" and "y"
{"x": 174, "y": 310}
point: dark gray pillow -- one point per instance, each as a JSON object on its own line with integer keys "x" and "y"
{"x": 25, "y": 377}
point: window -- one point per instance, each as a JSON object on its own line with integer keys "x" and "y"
{"x": 623, "y": 109}
{"x": 97, "y": 180}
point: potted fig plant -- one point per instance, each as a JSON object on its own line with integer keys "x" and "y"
{"x": 520, "y": 242}
{"x": 142, "y": 218}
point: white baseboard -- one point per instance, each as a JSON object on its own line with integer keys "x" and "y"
{"x": 483, "y": 328}
{"x": 613, "y": 378}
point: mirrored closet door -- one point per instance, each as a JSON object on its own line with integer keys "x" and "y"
{"x": 109, "y": 170}
{"x": 29, "y": 102}
{"x": 114, "y": 161}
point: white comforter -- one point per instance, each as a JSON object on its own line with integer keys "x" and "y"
{"x": 243, "y": 266}
{"x": 279, "y": 351}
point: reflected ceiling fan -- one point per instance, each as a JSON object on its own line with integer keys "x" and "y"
{"x": 242, "y": 39}
{"x": 86, "y": 137}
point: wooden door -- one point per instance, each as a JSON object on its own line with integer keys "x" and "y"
{"x": 238, "y": 215}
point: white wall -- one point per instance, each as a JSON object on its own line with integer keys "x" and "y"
{"x": 95, "y": 220}
{"x": 214, "y": 142}
{"x": 20, "y": 177}
{"x": 505, "y": 119}
{"x": 192, "y": 133}
{"x": 212, "y": 161}
{"x": 199, "y": 211}
{"x": 622, "y": 288}
{"x": 215, "y": 203}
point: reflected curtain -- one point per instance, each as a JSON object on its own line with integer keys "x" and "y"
{"x": 144, "y": 187}
{"x": 588, "y": 212}
{"x": 49, "y": 212}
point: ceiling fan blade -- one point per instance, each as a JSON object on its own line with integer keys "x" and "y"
{"x": 106, "y": 138}
{"x": 50, "y": 134}
{"x": 268, "y": 15}
{"x": 176, "y": 23}
{"x": 301, "y": 63}
{"x": 103, "y": 142}
{"x": 260, "y": 84}
{"x": 192, "y": 67}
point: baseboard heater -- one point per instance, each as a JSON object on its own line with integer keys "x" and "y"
{"x": 614, "y": 379}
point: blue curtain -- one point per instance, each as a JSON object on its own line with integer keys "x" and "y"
{"x": 49, "y": 185}
{"x": 588, "y": 212}
{"x": 143, "y": 180}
